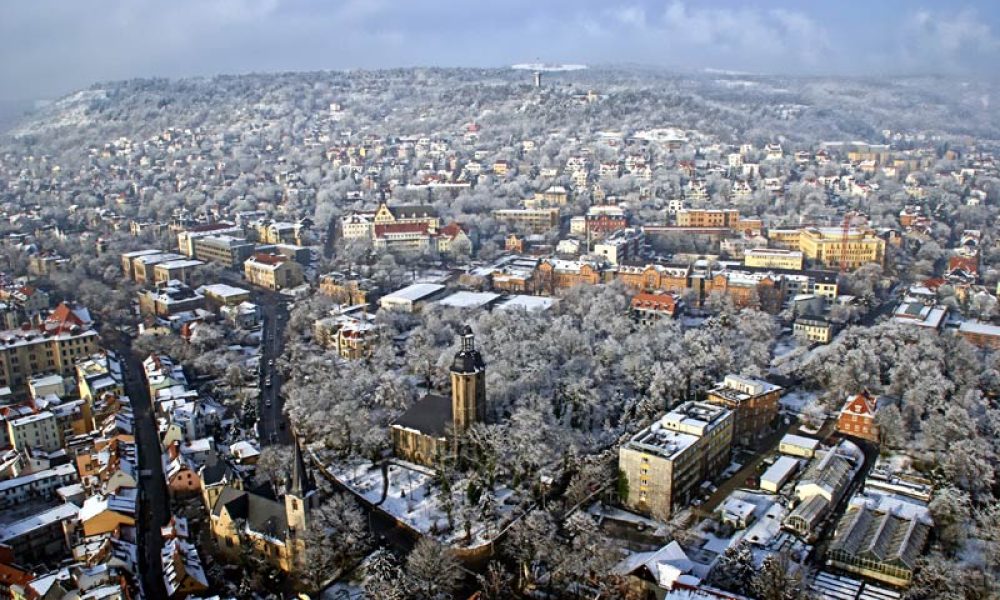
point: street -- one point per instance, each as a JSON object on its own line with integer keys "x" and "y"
{"x": 272, "y": 426}
{"x": 154, "y": 501}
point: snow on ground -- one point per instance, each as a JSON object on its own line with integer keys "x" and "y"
{"x": 794, "y": 401}
{"x": 414, "y": 498}
{"x": 617, "y": 514}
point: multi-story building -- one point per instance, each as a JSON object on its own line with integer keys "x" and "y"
{"x": 535, "y": 220}
{"x": 830, "y": 247}
{"x": 272, "y": 272}
{"x": 51, "y": 347}
{"x": 783, "y": 238}
{"x": 357, "y": 226}
{"x": 40, "y": 485}
{"x": 754, "y": 404}
{"x": 857, "y": 417}
{"x": 141, "y": 266}
{"x": 36, "y": 431}
{"x": 226, "y": 250}
{"x": 649, "y": 307}
{"x": 169, "y": 299}
{"x": 346, "y": 289}
{"x": 773, "y": 258}
{"x": 663, "y": 465}
{"x": 186, "y": 237}
{"x": 621, "y": 246}
{"x": 815, "y": 329}
{"x": 175, "y": 270}
{"x": 703, "y": 217}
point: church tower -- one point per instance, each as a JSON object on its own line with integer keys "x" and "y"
{"x": 300, "y": 497}
{"x": 468, "y": 384}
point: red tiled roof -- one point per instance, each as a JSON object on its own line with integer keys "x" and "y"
{"x": 269, "y": 259}
{"x": 389, "y": 228}
{"x": 451, "y": 230}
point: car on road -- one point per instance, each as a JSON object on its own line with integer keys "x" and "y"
{"x": 267, "y": 403}
{"x": 267, "y": 382}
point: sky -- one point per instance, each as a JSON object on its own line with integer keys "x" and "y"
{"x": 52, "y": 47}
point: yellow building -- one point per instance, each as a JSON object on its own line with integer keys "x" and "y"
{"x": 773, "y": 258}
{"x": 783, "y": 238}
{"x": 273, "y": 530}
{"x": 52, "y": 347}
{"x": 814, "y": 329}
{"x": 698, "y": 217}
{"x": 829, "y": 246}
{"x": 272, "y": 272}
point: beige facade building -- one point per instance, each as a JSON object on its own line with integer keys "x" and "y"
{"x": 773, "y": 258}
{"x": 828, "y": 246}
{"x": 52, "y": 347}
{"x": 272, "y": 272}
{"x": 226, "y": 250}
{"x": 663, "y": 465}
{"x": 535, "y": 220}
{"x": 38, "y": 431}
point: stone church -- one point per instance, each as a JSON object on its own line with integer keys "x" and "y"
{"x": 424, "y": 432}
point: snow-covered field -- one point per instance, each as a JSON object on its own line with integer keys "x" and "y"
{"x": 414, "y": 498}
{"x": 794, "y": 401}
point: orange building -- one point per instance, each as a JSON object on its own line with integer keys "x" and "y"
{"x": 857, "y": 418}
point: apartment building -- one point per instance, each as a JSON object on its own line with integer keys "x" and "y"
{"x": 703, "y": 217}
{"x": 621, "y": 246}
{"x": 226, "y": 250}
{"x": 51, "y": 347}
{"x": 754, "y": 404}
{"x": 186, "y": 238}
{"x": 169, "y": 299}
{"x": 272, "y": 272}
{"x": 535, "y": 220}
{"x": 175, "y": 270}
{"x": 663, "y": 465}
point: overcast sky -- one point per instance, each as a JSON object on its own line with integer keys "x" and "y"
{"x": 50, "y": 47}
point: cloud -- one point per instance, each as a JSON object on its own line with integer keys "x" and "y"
{"x": 952, "y": 39}
{"x": 54, "y": 46}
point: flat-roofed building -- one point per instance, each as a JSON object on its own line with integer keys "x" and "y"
{"x": 778, "y": 474}
{"x": 226, "y": 250}
{"x": 410, "y": 298}
{"x": 754, "y": 403}
{"x": 224, "y": 294}
{"x": 535, "y": 220}
{"x": 663, "y": 465}
{"x": 797, "y": 445}
{"x": 273, "y": 272}
{"x": 979, "y": 334}
{"x": 186, "y": 238}
{"x": 175, "y": 270}
{"x": 773, "y": 258}
{"x": 169, "y": 299}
